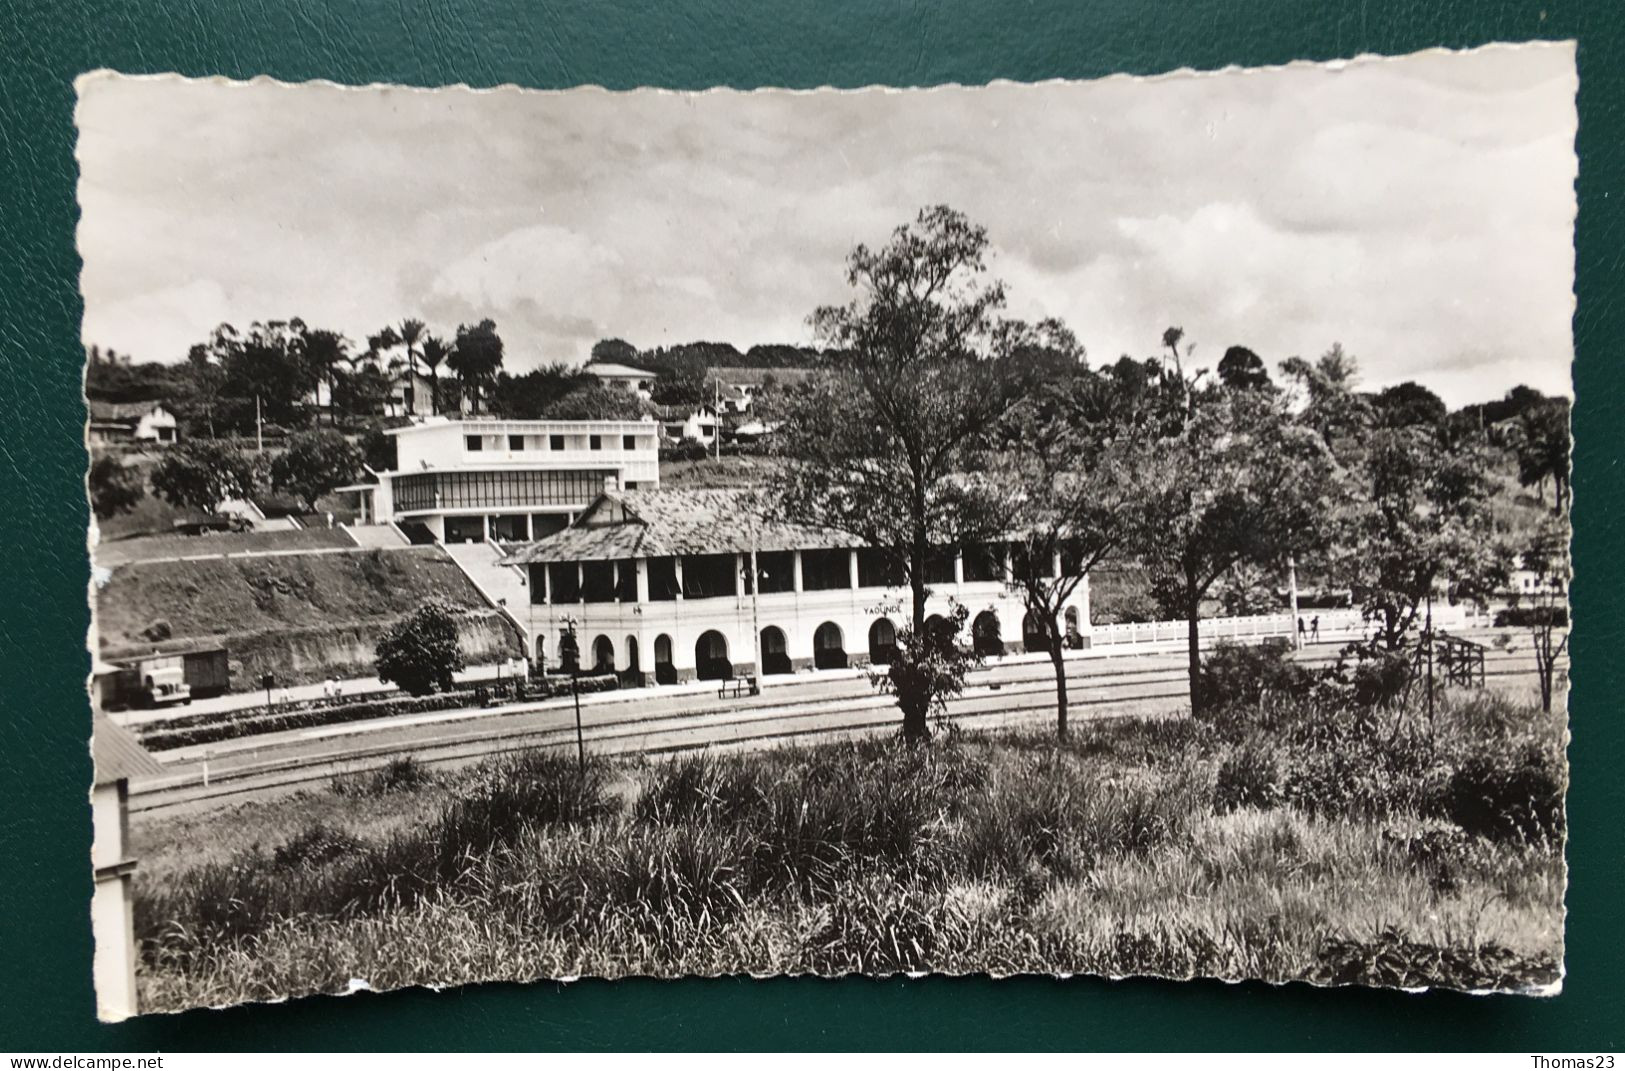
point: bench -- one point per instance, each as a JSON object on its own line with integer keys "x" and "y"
{"x": 738, "y": 686}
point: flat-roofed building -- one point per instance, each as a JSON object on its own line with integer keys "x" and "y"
{"x": 491, "y": 480}
{"x": 659, "y": 587}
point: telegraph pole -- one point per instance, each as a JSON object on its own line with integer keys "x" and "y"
{"x": 259, "y": 428}
{"x": 1292, "y": 585}
{"x": 755, "y": 607}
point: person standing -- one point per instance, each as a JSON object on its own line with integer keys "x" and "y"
{"x": 1314, "y": 628}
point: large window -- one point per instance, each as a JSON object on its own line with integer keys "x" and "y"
{"x": 984, "y": 561}
{"x": 565, "y": 582}
{"x": 662, "y": 579}
{"x": 1024, "y": 565}
{"x": 487, "y": 490}
{"x": 777, "y": 571}
{"x": 516, "y": 442}
{"x": 709, "y": 575}
{"x": 538, "y": 584}
{"x": 881, "y": 569}
{"x": 826, "y": 570}
{"x": 598, "y": 581}
{"x": 475, "y": 442}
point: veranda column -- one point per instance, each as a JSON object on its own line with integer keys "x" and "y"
{"x": 642, "y": 567}
{"x": 795, "y": 570}
{"x": 852, "y": 569}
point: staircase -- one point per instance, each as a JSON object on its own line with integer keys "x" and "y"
{"x": 503, "y": 587}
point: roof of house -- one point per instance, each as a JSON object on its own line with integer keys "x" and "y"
{"x": 117, "y": 753}
{"x": 616, "y": 371}
{"x": 683, "y": 412}
{"x": 120, "y": 412}
{"x": 667, "y": 523}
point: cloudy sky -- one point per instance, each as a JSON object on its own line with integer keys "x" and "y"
{"x": 1419, "y": 211}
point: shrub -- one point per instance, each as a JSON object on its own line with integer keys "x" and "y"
{"x": 1234, "y": 675}
{"x": 1508, "y": 796}
{"x": 402, "y": 774}
{"x": 1249, "y": 776}
{"x": 687, "y": 450}
{"x": 314, "y": 846}
{"x": 1532, "y": 617}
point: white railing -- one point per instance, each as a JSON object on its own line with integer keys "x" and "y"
{"x": 1333, "y": 625}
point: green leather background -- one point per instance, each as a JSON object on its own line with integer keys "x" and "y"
{"x": 45, "y": 994}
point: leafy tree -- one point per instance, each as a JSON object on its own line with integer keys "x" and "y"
{"x": 1409, "y": 404}
{"x": 1239, "y": 481}
{"x": 1540, "y": 436}
{"x": 362, "y": 392}
{"x": 595, "y": 402}
{"x": 1078, "y": 489}
{"x": 1419, "y": 518}
{"x": 1242, "y": 369}
{"x": 882, "y": 445}
{"x": 114, "y": 487}
{"x": 528, "y": 396}
{"x": 268, "y": 363}
{"x": 202, "y": 473}
{"x": 929, "y": 666}
{"x": 206, "y": 382}
{"x": 1323, "y": 396}
{"x": 615, "y": 351}
{"x": 476, "y": 358}
{"x": 420, "y": 652}
{"x": 314, "y": 463}
{"x": 1545, "y": 552}
{"x": 683, "y": 387}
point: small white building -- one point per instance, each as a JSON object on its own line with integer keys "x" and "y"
{"x": 681, "y": 423}
{"x": 637, "y": 381}
{"x": 658, "y": 585}
{"x": 475, "y": 480}
{"x": 118, "y": 758}
{"x": 131, "y": 422}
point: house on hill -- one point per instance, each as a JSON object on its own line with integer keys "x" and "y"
{"x": 637, "y": 381}
{"x": 691, "y": 584}
{"x": 681, "y": 423}
{"x": 131, "y": 422}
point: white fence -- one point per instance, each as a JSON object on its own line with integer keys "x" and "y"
{"x": 1340, "y": 625}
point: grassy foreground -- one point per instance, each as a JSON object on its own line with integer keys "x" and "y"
{"x": 1331, "y": 848}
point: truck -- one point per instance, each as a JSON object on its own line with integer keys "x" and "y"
{"x": 166, "y": 680}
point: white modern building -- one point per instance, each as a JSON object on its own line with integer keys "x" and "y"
{"x": 475, "y": 480}
{"x": 658, "y": 585}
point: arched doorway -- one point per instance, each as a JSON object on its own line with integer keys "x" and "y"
{"x": 775, "y": 652}
{"x": 603, "y": 655}
{"x": 936, "y": 625}
{"x": 1074, "y": 636}
{"x": 665, "y": 672}
{"x": 1034, "y": 636}
{"x": 985, "y": 634}
{"x": 882, "y": 642}
{"x": 711, "y": 657}
{"x": 829, "y": 648}
{"x": 541, "y": 654}
{"x": 632, "y": 655}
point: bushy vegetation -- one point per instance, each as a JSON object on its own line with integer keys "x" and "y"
{"x": 1301, "y": 838}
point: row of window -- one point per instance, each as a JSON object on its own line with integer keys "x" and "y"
{"x": 495, "y": 490}
{"x": 707, "y": 576}
{"x": 479, "y": 443}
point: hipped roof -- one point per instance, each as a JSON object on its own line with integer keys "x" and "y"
{"x": 660, "y": 524}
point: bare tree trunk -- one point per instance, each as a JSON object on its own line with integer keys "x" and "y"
{"x": 1056, "y": 659}
{"x": 1193, "y": 604}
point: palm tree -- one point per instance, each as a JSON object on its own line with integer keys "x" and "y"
{"x": 411, "y": 333}
{"x": 325, "y": 351}
{"x": 435, "y": 352}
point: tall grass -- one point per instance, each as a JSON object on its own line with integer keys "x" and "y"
{"x": 1161, "y": 847}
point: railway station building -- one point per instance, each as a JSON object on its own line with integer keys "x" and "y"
{"x": 661, "y": 588}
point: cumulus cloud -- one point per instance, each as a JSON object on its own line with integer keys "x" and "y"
{"x": 1419, "y": 211}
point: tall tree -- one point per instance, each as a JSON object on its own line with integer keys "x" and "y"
{"x": 1419, "y": 520}
{"x": 1238, "y": 481}
{"x": 1241, "y": 368}
{"x": 881, "y": 447}
{"x": 436, "y": 350}
{"x": 325, "y": 352}
{"x": 1079, "y": 489}
{"x": 1540, "y": 436}
{"x": 615, "y": 351}
{"x": 476, "y": 358}
{"x": 268, "y": 365}
{"x": 1409, "y": 404}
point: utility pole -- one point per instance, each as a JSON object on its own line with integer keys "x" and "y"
{"x": 259, "y": 428}
{"x": 716, "y": 415}
{"x": 755, "y": 605}
{"x": 1292, "y": 585}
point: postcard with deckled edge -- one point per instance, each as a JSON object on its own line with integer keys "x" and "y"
{"x": 1113, "y": 528}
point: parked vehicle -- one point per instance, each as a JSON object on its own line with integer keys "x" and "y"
{"x": 166, "y": 680}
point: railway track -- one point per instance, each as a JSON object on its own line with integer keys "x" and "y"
{"x": 1006, "y": 696}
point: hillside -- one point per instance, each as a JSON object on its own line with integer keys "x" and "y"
{"x": 302, "y": 617}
